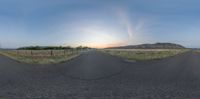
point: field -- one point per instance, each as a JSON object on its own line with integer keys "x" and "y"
{"x": 41, "y": 56}
{"x": 144, "y": 54}
{"x": 198, "y": 51}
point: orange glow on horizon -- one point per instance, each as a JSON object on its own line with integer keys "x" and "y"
{"x": 114, "y": 44}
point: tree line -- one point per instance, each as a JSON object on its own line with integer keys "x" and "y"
{"x": 53, "y": 48}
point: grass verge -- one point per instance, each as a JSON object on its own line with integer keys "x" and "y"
{"x": 39, "y": 59}
{"x": 144, "y": 54}
{"x": 197, "y": 51}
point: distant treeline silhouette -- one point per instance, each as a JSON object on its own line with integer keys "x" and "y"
{"x": 52, "y": 48}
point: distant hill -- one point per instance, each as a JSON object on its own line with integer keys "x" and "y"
{"x": 151, "y": 46}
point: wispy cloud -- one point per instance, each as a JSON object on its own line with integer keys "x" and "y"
{"x": 135, "y": 28}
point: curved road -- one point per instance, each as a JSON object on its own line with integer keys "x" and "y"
{"x": 100, "y": 76}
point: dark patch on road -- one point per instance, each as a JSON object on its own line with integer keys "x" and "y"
{"x": 92, "y": 66}
{"x": 97, "y": 75}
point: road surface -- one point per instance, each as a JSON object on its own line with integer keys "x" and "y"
{"x": 95, "y": 75}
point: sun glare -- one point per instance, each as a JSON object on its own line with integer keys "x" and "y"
{"x": 100, "y": 37}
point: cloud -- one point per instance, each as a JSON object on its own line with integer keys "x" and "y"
{"x": 95, "y": 35}
{"x": 114, "y": 30}
{"x": 135, "y": 28}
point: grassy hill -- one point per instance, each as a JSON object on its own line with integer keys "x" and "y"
{"x": 151, "y": 46}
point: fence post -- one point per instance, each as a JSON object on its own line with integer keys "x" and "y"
{"x": 31, "y": 53}
{"x": 51, "y": 53}
{"x": 17, "y": 52}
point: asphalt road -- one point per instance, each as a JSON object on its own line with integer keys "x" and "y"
{"x": 95, "y": 75}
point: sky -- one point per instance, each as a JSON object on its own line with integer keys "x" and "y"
{"x": 98, "y": 23}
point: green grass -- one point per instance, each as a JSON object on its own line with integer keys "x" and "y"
{"x": 141, "y": 54}
{"x": 42, "y": 57}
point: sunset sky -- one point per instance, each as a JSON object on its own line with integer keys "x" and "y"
{"x": 98, "y": 23}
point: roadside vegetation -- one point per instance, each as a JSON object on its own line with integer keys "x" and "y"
{"x": 197, "y": 51}
{"x": 43, "y": 55}
{"x": 144, "y": 54}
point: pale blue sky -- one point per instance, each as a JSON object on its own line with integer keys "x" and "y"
{"x": 98, "y": 23}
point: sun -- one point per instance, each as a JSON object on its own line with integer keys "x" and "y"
{"x": 99, "y": 37}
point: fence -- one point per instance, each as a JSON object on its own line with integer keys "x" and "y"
{"x": 43, "y": 52}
